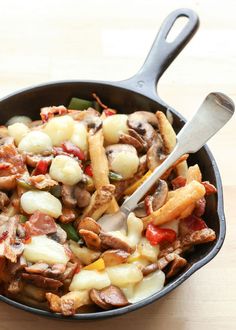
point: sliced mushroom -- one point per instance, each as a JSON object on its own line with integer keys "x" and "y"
{"x": 89, "y": 224}
{"x": 134, "y": 139}
{"x": 68, "y": 215}
{"x": 114, "y": 257}
{"x": 149, "y": 269}
{"x": 109, "y": 241}
{"x": 42, "y": 281}
{"x": 144, "y": 123}
{"x": 68, "y": 197}
{"x": 92, "y": 240}
{"x": 59, "y": 236}
{"x": 155, "y": 154}
{"x": 158, "y": 200}
{"x": 82, "y": 196}
{"x": 109, "y": 297}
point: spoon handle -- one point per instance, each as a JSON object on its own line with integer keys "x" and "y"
{"x": 212, "y": 115}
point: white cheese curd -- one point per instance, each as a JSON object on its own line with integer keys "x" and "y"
{"x": 18, "y": 131}
{"x": 113, "y": 126}
{"x": 59, "y": 129}
{"x": 135, "y": 228}
{"x": 43, "y": 249}
{"x": 66, "y": 170}
{"x": 19, "y": 119}
{"x": 148, "y": 251}
{"x": 80, "y": 136}
{"x": 43, "y": 201}
{"x": 85, "y": 255}
{"x": 150, "y": 284}
{"x": 35, "y": 142}
{"x": 124, "y": 274}
{"x": 89, "y": 279}
{"x": 125, "y": 163}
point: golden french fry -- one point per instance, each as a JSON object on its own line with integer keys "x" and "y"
{"x": 173, "y": 208}
{"x": 169, "y": 140}
{"x": 175, "y": 165}
{"x": 99, "y": 165}
{"x": 194, "y": 173}
{"x": 99, "y": 202}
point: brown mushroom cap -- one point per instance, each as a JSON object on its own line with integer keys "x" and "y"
{"x": 159, "y": 199}
{"x": 155, "y": 154}
{"x": 114, "y": 257}
{"x": 144, "y": 123}
{"x": 109, "y": 297}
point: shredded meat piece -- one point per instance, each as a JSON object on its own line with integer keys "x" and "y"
{"x": 70, "y": 270}
{"x": 4, "y": 200}
{"x": 114, "y": 257}
{"x": 42, "y": 181}
{"x": 9, "y": 154}
{"x": 82, "y": 196}
{"x": 68, "y": 215}
{"x": 42, "y": 281}
{"x": 177, "y": 264}
{"x": 89, "y": 224}
{"x": 199, "y": 237}
{"x": 68, "y": 198}
{"x": 54, "y": 271}
{"x": 41, "y": 224}
{"x": 15, "y": 267}
{"x": 149, "y": 269}
{"x": 37, "y": 268}
{"x": 47, "y": 113}
{"x": 15, "y": 286}
{"x": 54, "y": 302}
{"x": 59, "y": 236}
{"x": 32, "y": 160}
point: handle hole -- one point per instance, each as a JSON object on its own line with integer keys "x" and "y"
{"x": 176, "y": 28}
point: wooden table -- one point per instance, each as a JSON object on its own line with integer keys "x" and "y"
{"x": 50, "y": 40}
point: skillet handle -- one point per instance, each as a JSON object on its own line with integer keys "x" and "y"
{"x": 163, "y": 52}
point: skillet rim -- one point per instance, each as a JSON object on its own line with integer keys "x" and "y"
{"x": 169, "y": 287}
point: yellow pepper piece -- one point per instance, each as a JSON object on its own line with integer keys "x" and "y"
{"x": 138, "y": 183}
{"x": 96, "y": 265}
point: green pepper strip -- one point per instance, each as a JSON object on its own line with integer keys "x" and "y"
{"x": 115, "y": 176}
{"x": 70, "y": 231}
{"x": 81, "y": 104}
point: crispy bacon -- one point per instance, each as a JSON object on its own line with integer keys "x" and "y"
{"x": 41, "y": 224}
{"x": 49, "y": 112}
{"x": 10, "y": 156}
{"x": 210, "y": 188}
{"x": 42, "y": 181}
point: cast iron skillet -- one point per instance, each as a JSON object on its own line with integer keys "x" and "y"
{"x": 136, "y": 93}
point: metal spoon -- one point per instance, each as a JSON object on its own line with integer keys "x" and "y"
{"x": 212, "y": 115}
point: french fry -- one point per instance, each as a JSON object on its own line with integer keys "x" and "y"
{"x": 193, "y": 173}
{"x": 99, "y": 165}
{"x": 99, "y": 202}
{"x": 173, "y": 208}
{"x": 169, "y": 140}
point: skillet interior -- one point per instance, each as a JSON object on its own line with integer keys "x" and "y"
{"x": 28, "y": 102}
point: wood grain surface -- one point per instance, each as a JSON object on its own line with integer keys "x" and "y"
{"x": 101, "y": 39}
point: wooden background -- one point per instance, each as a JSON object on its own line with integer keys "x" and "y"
{"x": 109, "y": 39}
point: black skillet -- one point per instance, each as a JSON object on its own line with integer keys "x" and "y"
{"x": 136, "y": 93}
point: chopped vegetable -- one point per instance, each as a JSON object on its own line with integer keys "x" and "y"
{"x": 96, "y": 265}
{"x": 115, "y": 176}
{"x": 157, "y": 235}
{"x": 24, "y": 184}
{"x": 70, "y": 231}
{"x": 41, "y": 167}
{"x": 138, "y": 183}
{"x": 88, "y": 170}
{"x": 82, "y": 104}
{"x": 22, "y": 218}
{"x": 56, "y": 191}
{"x": 71, "y": 148}
{"x": 194, "y": 223}
{"x": 109, "y": 112}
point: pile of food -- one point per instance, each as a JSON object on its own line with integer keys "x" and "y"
{"x": 60, "y": 174}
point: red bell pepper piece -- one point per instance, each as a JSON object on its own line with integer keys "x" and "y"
{"x": 178, "y": 182}
{"x": 200, "y": 207}
{"x": 109, "y": 112}
{"x": 88, "y": 170}
{"x": 195, "y": 223}
{"x": 157, "y": 235}
{"x": 70, "y": 148}
{"x": 41, "y": 167}
{"x": 3, "y": 237}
